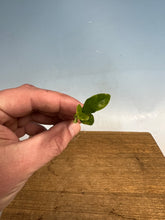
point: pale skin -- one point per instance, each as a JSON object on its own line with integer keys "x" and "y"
{"x": 22, "y": 110}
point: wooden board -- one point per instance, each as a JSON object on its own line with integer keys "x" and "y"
{"x": 101, "y": 175}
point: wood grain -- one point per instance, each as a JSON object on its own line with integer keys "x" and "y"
{"x": 101, "y": 175}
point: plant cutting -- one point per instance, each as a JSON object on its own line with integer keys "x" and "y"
{"x": 91, "y": 105}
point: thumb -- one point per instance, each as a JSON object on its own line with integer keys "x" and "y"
{"x": 41, "y": 148}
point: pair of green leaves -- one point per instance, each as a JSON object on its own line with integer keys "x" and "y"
{"x": 91, "y": 105}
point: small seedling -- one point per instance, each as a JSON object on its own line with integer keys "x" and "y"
{"x": 91, "y": 105}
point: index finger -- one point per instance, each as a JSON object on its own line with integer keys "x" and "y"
{"x": 20, "y": 101}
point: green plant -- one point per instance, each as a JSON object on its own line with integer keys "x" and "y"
{"x": 91, "y": 105}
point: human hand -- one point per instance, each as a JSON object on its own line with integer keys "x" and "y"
{"x": 22, "y": 111}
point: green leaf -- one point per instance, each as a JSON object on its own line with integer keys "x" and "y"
{"x": 96, "y": 103}
{"x": 91, "y": 105}
{"x": 90, "y": 121}
{"x": 81, "y": 115}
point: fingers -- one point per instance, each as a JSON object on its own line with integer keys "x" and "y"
{"x": 6, "y": 135}
{"x": 43, "y": 147}
{"x": 30, "y": 124}
{"x": 30, "y": 128}
{"x": 25, "y": 99}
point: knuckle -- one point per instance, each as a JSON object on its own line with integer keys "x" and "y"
{"x": 26, "y": 85}
{"x": 58, "y": 145}
{"x": 60, "y": 141}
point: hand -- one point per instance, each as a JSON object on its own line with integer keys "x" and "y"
{"x": 22, "y": 111}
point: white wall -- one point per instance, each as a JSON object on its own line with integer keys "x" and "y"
{"x": 82, "y": 47}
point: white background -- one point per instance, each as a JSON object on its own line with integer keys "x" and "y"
{"x": 83, "y": 47}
